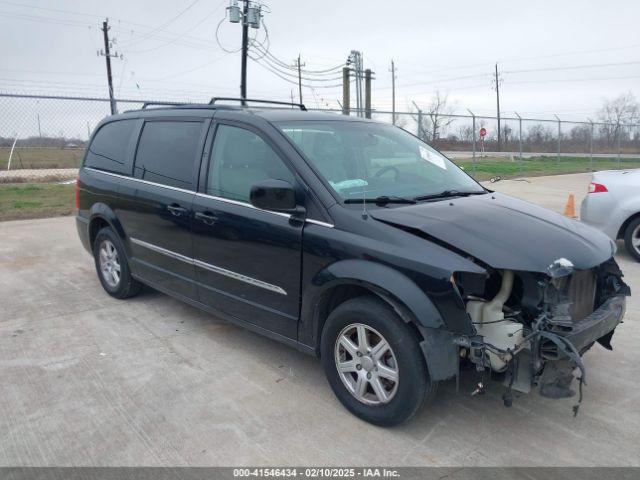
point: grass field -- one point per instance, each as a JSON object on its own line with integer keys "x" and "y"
{"x": 35, "y": 201}
{"x": 41, "y": 158}
{"x": 486, "y": 168}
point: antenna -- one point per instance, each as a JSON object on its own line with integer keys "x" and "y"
{"x": 364, "y": 194}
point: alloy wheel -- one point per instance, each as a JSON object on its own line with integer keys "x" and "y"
{"x": 109, "y": 263}
{"x": 366, "y": 364}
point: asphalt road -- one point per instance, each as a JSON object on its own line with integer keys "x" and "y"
{"x": 92, "y": 381}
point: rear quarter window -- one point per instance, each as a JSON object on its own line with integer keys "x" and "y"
{"x": 109, "y": 147}
{"x": 168, "y": 152}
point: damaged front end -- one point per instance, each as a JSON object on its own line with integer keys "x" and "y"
{"x": 534, "y": 327}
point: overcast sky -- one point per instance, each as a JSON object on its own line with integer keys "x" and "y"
{"x": 170, "y": 50}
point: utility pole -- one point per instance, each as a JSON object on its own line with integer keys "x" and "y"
{"x": 497, "y": 80}
{"x": 250, "y": 17}
{"x": 346, "y": 94}
{"x": 107, "y": 55}
{"x": 393, "y": 92}
{"x": 355, "y": 59}
{"x": 300, "y": 65}
{"x": 367, "y": 93}
{"x": 245, "y": 49}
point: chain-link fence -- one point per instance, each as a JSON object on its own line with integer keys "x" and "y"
{"x": 43, "y": 138}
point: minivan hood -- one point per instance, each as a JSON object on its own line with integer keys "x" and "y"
{"x": 504, "y": 232}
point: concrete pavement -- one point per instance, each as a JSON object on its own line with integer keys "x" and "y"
{"x": 550, "y": 192}
{"x": 89, "y": 380}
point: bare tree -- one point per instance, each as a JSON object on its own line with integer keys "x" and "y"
{"x": 506, "y": 134}
{"x": 401, "y": 121}
{"x": 616, "y": 112}
{"x": 435, "y": 118}
{"x": 540, "y": 136}
{"x": 438, "y": 110}
{"x": 466, "y": 133}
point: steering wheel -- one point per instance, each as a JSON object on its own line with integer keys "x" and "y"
{"x": 386, "y": 169}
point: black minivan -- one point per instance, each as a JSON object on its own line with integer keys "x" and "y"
{"x": 351, "y": 240}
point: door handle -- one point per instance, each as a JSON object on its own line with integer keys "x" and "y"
{"x": 206, "y": 217}
{"x": 176, "y": 210}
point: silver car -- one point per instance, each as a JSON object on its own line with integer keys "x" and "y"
{"x": 613, "y": 206}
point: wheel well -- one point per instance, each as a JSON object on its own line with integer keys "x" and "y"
{"x": 337, "y": 295}
{"x": 626, "y": 223}
{"x": 95, "y": 226}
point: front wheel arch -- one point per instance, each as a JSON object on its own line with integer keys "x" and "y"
{"x": 362, "y": 277}
{"x": 333, "y": 297}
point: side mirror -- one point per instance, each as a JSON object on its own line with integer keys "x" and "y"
{"x": 274, "y": 195}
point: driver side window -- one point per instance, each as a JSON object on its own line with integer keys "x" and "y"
{"x": 239, "y": 159}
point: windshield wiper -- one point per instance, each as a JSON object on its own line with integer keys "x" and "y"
{"x": 450, "y": 193}
{"x": 381, "y": 200}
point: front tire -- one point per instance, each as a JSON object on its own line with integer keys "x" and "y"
{"x": 373, "y": 362}
{"x": 112, "y": 266}
{"x": 632, "y": 238}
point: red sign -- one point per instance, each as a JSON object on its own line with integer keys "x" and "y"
{"x": 483, "y": 132}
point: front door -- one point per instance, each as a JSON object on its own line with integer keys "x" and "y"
{"x": 247, "y": 260}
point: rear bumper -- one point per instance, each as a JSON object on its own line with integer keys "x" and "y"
{"x": 598, "y": 324}
{"x": 600, "y": 211}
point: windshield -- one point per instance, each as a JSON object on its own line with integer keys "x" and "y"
{"x": 375, "y": 160}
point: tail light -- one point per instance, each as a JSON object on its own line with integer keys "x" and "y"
{"x": 597, "y": 187}
{"x": 78, "y": 192}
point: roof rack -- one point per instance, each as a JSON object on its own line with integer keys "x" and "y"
{"x": 163, "y": 104}
{"x": 253, "y": 100}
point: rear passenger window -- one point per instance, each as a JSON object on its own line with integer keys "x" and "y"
{"x": 167, "y": 153}
{"x": 108, "y": 150}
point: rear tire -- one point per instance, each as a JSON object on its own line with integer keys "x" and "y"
{"x": 112, "y": 266}
{"x": 632, "y": 238}
{"x": 365, "y": 385}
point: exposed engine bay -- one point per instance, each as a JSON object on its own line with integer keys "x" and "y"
{"x": 534, "y": 327}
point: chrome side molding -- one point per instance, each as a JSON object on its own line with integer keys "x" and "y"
{"x": 212, "y": 268}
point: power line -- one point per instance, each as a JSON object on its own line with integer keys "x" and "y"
{"x": 174, "y": 40}
{"x": 37, "y": 18}
{"x": 295, "y": 75}
{"x": 521, "y": 59}
{"x": 293, "y": 82}
{"x": 75, "y": 23}
{"x": 430, "y": 82}
{"x": 49, "y": 9}
{"x": 324, "y": 72}
{"x": 164, "y": 25}
{"x": 178, "y": 74}
{"x": 569, "y": 80}
{"x": 224, "y": 49}
{"x": 573, "y": 67}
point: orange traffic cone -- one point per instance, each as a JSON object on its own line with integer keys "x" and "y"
{"x": 570, "y": 207}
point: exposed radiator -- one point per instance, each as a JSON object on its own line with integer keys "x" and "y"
{"x": 581, "y": 292}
